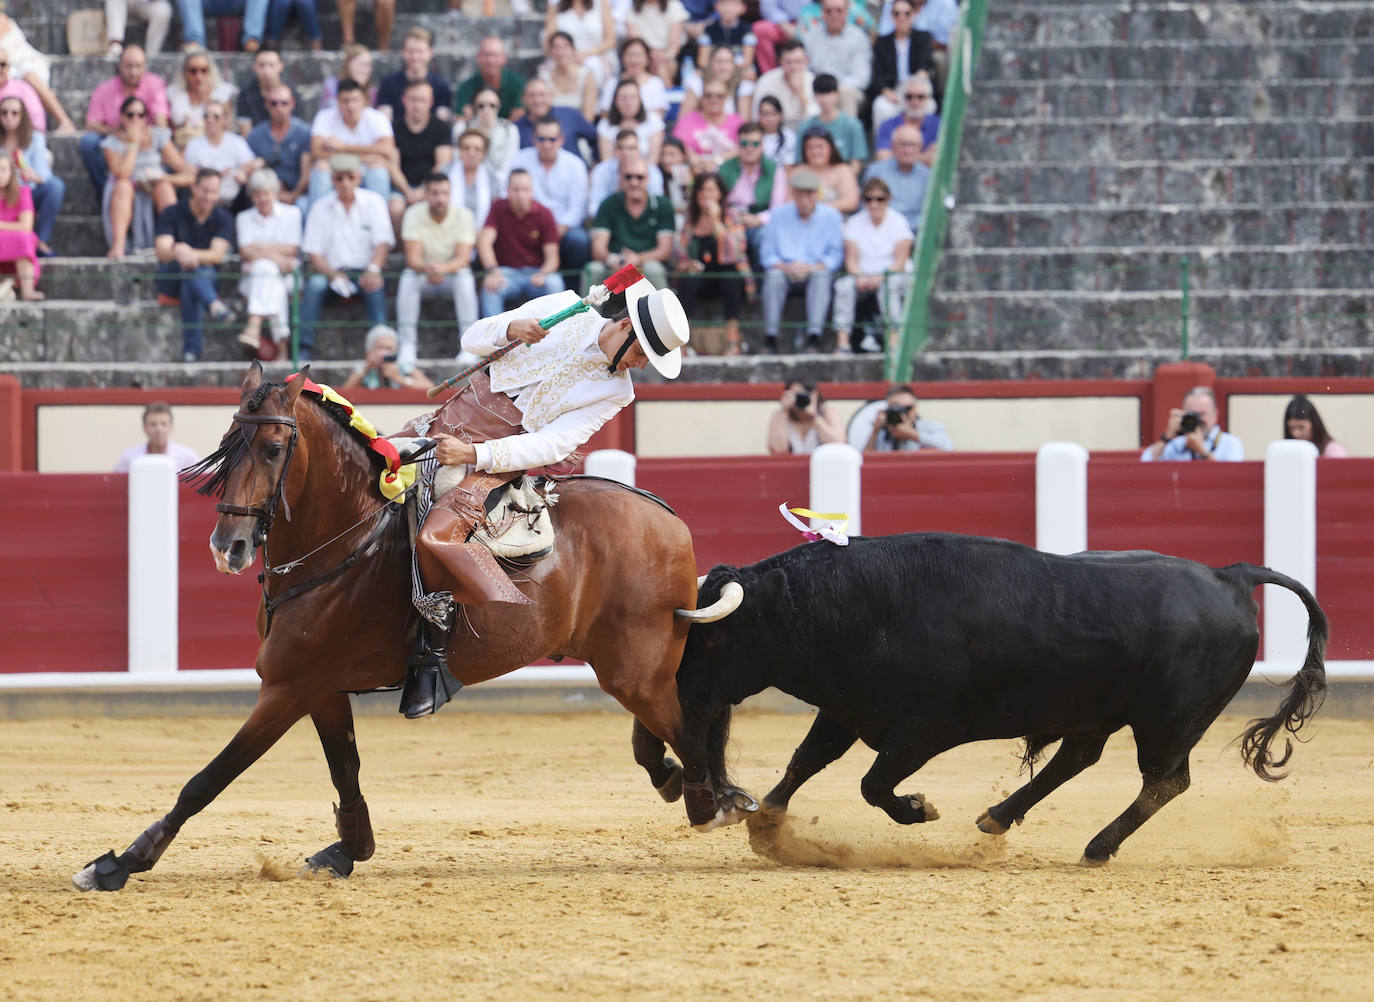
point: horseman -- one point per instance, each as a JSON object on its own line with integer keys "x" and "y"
{"x": 533, "y": 408}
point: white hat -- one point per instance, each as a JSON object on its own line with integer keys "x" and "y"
{"x": 660, "y": 324}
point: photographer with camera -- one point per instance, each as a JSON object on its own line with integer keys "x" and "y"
{"x": 1192, "y": 433}
{"x": 898, "y": 427}
{"x": 803, "y": 422}
{"x": 379, "y": 370}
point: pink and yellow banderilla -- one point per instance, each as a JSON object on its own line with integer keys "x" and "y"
{"x": 598, "y": 294}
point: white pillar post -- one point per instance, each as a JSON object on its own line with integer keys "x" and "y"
{"x": 837, "y": 481}
{"x": 613, "y": 464}
{"x": 1061, "y": 498}
{"x": 153, "y": 566}
{"x": 1290, "y": 543}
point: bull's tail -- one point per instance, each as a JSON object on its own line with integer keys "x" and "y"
{"x": 1306, "y": 691}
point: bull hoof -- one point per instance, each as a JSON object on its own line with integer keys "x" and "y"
{"x": 671, "y": 790}
{"x": 103, "y": 874}
{"x": 921, "y": 808}
{"x": 331, "y": 862}
{"x": 1089, "y": 861}
{"x": 990, "y": 825}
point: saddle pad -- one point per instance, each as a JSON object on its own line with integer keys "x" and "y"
{"x": 517, "y": 524}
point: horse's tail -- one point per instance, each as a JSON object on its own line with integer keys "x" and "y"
{"x": 1306, "y": 690}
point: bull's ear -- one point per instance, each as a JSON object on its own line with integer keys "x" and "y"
{"x": 252, "y": 380}
{"x": 293, "y": 388}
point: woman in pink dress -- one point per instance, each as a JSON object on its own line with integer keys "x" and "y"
{"x": 709, "y": 132}
{"x": 18, "y": 244}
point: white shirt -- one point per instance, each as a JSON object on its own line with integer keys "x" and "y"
{"x": 347, "y": 238}
{"x": 653, "y": 95}
{"x": 644, "y": 131}
{"x": 181, "y": 455}
{"x": 281, "y": 226}
{"x": 231, "y": 152}
{"x": 372, "y": 126}
{"x": 562, "y": 188}
{"x": 876, "y": 243}
{"x": 561, "y": 385}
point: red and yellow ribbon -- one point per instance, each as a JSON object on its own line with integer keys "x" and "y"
{"x": 396, "y": 478}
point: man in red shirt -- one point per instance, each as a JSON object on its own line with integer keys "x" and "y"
{"x": 518, "y": 248}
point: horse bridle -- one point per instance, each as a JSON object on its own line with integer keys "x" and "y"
{"x": 266, "y": 510}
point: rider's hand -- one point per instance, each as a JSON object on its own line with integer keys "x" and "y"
{"x": 453, "y": 451}
{"x": 526, "y": 330}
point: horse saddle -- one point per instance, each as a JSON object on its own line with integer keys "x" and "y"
{"x": 517, "y": 524}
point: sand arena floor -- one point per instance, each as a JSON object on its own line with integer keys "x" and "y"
{"x": 526, "y": 857}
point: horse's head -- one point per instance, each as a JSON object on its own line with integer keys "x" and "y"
{"x": 252, "y": 471}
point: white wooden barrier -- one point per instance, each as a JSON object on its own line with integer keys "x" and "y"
{"x": 613, "y": 464}
{"x": 1290, "y": 544}
{"x": 837, "y": 482}
{"x": 1061, "y": 498}
{"x": 153, "y": 568}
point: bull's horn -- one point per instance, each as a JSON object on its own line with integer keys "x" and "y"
{"x": 730, "y": 598}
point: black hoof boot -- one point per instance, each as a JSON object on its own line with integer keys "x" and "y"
{"x": 334, "y": 861}
{"x": 103, "y": 874}
{"x": 429, "y": 684}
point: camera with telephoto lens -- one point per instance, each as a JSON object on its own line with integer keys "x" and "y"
{"x": 801, "y": 401}
{"x": 896, "y": 415}
{"x": 1189, "y": 423}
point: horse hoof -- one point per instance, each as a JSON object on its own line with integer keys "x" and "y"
{"x": 1088, "y": 861}
{"x": 103, "y": 874}
{"x": 332, "y": 862}
{"x": 671, "y": 790}
{"x": 990, "y": 825}
{"x": 741, "y": 801}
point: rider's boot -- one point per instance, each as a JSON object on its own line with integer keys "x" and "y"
{"x": 429, "y": 684}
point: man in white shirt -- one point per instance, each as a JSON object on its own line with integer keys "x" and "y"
{"x": 534, "y": 408}
{"x": 347, "y": 238}
{"x": 269, "y": 238}
{"x": 792, "y": 83}
{"x": 157, "y": 425}
{"x": 560, "y": 184}
{"x": 604, "y": 180}
{"x": 352, "y": 127}
{"x": 841, "y": 48}
{"x": 437, "y": 239}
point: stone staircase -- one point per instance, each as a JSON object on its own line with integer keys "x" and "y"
{"x": 1108, "y": 140}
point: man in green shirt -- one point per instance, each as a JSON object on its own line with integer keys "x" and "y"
{"x": 631, "y": 227}
{"x": 491, "y": 72}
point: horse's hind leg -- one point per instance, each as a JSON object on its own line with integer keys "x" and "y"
{"x": 334, "y": 723}
{"x": 1075, "y": 754}
{"x": 664, "y": 772}
{"x": 276, "y": 710}
{"x": 827, "y": 740}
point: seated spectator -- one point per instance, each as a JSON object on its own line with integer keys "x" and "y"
{"x": 11, "y": 86}
{"x": 193, "y": 13}
{"x": 417, "y": 52}
{"x": 839, "y": 183}
{"x": 877, "y": 259}
{"x": 777, "y": 23}
{"x": 492, "y": 74}
{"x": 28, "y": 151}
{"x": 628, "y": 112}
{"x": 938, "y": 18}
{"x": 803, "y": 247}
{"x": 904, "y": 174}
{"x": 634, "y": 65}
{"x": 188, "y": 97}
{"x": 143, "y": 170}
{"x": 709, "y": 133}
{"x": 158, "y": 14}
{"x": 437, "y": 238}
{"x": 1301, "y": 421}
{"x": 803, "y": 422}
{"x": 379, "y": 369}
{"x": 250, "y": 108}
{"x": 841, "y": 48}
{"x": 712, "y": 257}
{"x": 470, "y": 180}
{"x": 422, "y": 148}
{"x": 579, "y": 135}
{"x": 898, "y": 426}
{"x": 518, "y": 248}
{"x": 347, "y": 238}
{"x": 157, "y": 427}
{"x": 384, "y": 17}
{"x": 779, "y": 142}
{"x": 571, "y": 83}
{"x": 351, "y": 127}
{"x": 269, "y": 241}
{"x": 729, "y": 28}
{"x": 223, "y": 151}
{"x": 919, "y": 94}
{"x": 32, "y": 67}
{"x": 791, "y": 85}
{"x": 589, "y": 24}
{"x": 192, "y": 239}
{"x": 1192, "y": 433}
{"x": 103, "y": 112}
{"x": 356, "y": 65}
{"x": 896, "y": 57}
{"x": 280, "y": 11}
{"x": 659, "y": 24}
{"x": 812, "y": 16}
{"x": 632, "y": 227}
{"x": 282, "y": 144}
{"x": 677, "y": 176}
{"x": 18, "y": 244}
{"x": 502, "y": 136}
{"x": 720, "y": 68}
{"x": 604, "y": 179}
{"x": 754, "y": 186}
{"x": 846, "y": 131}
{"x": 560, "y": 183}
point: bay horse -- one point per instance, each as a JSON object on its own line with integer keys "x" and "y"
{"x": 619, "y": 591}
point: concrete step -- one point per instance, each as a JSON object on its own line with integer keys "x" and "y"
{"x": 1114, "y": 269}
{"x": 1263, "y": 321}
{"x": 1016, "y": 24}
{"x": 1194, "y": 182}
{"x": 1110, "y": 140}
{"x": 1151, "y": 99}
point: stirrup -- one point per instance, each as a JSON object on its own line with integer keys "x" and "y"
{"x": 429, "y": 684}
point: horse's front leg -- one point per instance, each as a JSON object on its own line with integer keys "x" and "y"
{"x": 334, "y": 723}
{"x": 278, "y": 707}
{"x": 664, "y": 772}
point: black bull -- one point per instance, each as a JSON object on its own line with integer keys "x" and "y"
{"x": 921, "y": 642}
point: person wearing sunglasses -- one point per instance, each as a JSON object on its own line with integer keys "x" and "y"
{"x": 188, "y": 97}
{"x": 29, "y": 65}
{"x": 754, "y": 187}
{"x": 560, "y": 182}
{"x": 131, "y": 79}
{"x": 632, "y": 227}
{"x": 503, "y": 137}
{"x": 904, "y": 174}
{"x": 539, "y": 105}
{"x": 920, "y": 110}
{"x": 250, "y": 108}
{"x": 282, "y": 145}
{"x": 877, "y": 261}
{"x": 896, "y": 56}
{"x": 144, "y": 169}
{"x": 26, "y": 148}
